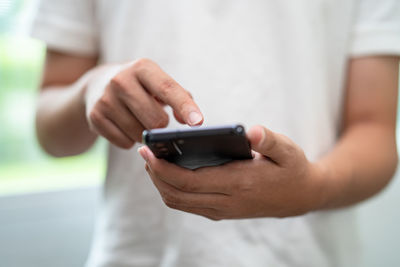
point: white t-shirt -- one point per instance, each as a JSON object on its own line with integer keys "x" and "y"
{"x": 281, "y": 64}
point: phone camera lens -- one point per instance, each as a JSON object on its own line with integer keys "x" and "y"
{"x": 239, "y": 129}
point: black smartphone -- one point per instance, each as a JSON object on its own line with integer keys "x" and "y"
{"x": 193, "y": 148}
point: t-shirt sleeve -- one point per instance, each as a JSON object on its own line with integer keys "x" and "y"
{"x": 67, "y": 26}
{"x": 376, "y": 28}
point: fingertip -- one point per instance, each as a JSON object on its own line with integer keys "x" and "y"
{"x": 198, "y": 124}
{"x": 256, "y": 134}
{"x": 146, "y": 153}
{"x": 195, "y": 118}
{"x": 149, "y": 152}
{"x": 142, "y": 151}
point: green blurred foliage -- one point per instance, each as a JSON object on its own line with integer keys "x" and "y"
{"x": 20, "y": 67}
{"x": 24, "y": 167}
{"x": 20, "y": 63}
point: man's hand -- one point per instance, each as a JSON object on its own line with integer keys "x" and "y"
{"x": 133, "y": 101}
{"x": 115, "y": 101}
{"x": 278, "y": 182}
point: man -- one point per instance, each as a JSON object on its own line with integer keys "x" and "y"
{"x": 318, "y": 77}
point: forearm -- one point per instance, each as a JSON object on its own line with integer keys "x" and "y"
{"x": 361, "y": 164}
{"x": 61, "y": 124}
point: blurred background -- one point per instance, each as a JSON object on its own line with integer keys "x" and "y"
{"x": 22, "y": 163}
{"x": 48, "y": 205}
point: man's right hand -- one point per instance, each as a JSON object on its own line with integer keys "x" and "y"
{"x": 134, "y": 100}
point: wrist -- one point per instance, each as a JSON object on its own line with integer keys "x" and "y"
{"x": 320, "y": 178}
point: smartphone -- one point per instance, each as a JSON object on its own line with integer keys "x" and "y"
{"x": 193, "y": 148}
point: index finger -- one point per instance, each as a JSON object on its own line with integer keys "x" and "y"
{"x": 162, "y": 86}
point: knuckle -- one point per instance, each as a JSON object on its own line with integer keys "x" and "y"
{"x": 95, "y": 117}
{"x": 185, "y": 102}
{"x": 173, "y": 205}
{"x": 187, "y": 186}
{"x": 160, "y": 122}
{"x": 169, "y": 198}
{"x": 286, "y": 140}
{"x": 117, "y": 83}
{"x": 271, "y": 144}
{"x": 291, "y": 149}
{"x": 170, "y": 205}
{"x": 214, "y": 217}
{"x": 105, "y": 103}
{"x": 167, "y": 87}
{"x": 141, "y": 63}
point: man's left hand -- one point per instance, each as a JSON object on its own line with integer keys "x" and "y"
{"x": 278, "y": 182}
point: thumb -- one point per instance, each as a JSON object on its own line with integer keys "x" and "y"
{"x": 269, "y": 144}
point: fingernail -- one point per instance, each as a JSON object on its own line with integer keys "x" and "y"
{"x": 194, "y": 118}
{"x": 143, "y": 153}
